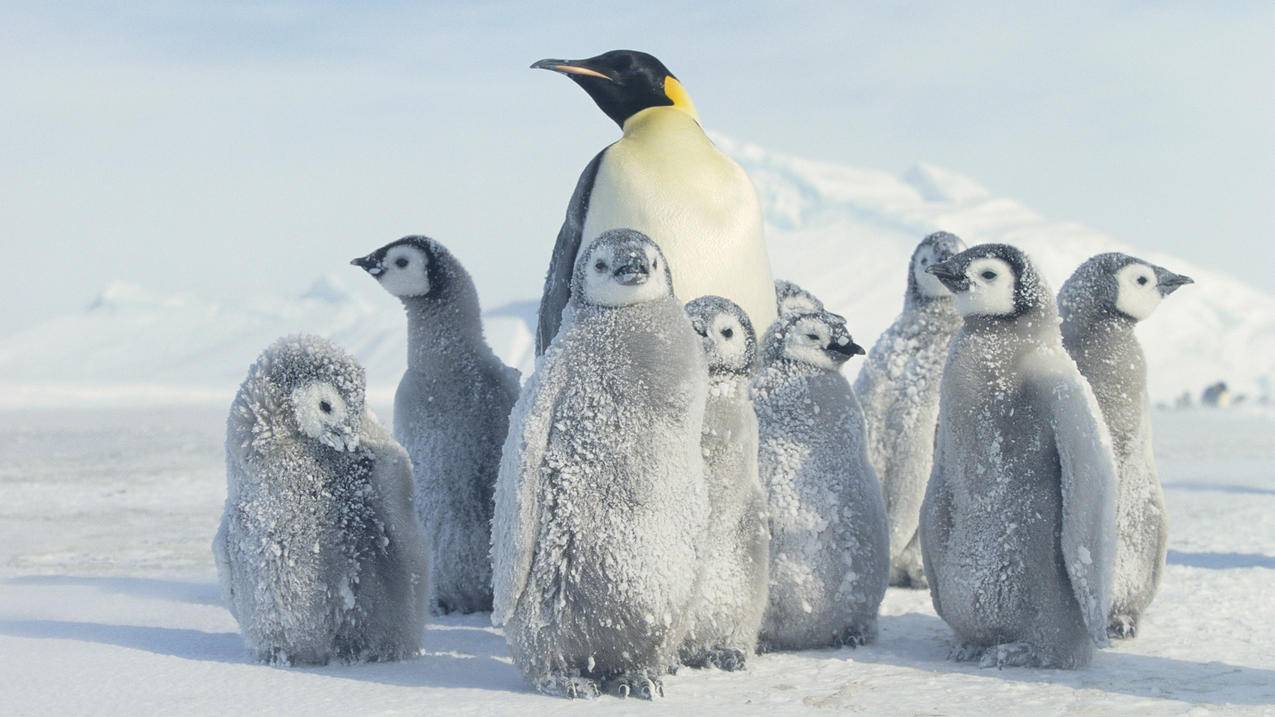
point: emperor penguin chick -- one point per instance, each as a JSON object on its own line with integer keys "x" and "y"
{"x": 600, "y": 503}
{"x": 829, "y": 553}
{"x": 792, "y": 299}
{"x": 319, "y": 553}
{"x": 1101, "y": 304}
{"x": 1018, "y": 521}
{"x": 736, "y": 575}
{"x": 451, "y": 412}
{"x": 899, "y": 389}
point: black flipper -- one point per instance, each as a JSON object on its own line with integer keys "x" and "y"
{"x": 558, "y": 280}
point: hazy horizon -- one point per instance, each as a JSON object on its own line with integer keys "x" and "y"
{"x": 239, "y": 148}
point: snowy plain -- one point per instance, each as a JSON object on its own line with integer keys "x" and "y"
{"x": 109, "y": 603}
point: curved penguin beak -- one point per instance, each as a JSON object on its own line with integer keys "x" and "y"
{"x": 634, "y": 271}
{"x": 848, "y": 348}
{"x": 370, "y": 264}
{"x": 571, "y": 67}
{"x": 951, "y": 276}
{"x": 1168, "y": 282}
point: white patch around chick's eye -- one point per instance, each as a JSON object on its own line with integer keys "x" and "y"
{"x": 806, "y": 342}
{"x": 406, "y": 271}
{"x": 991, "y": 291}
{"x": 927, "y": 283}
{"x": 1137, "y": 291}
{"x": 322, "y": 414}
{"x": 728, "y": 336}
{"x": 601, "y": 288}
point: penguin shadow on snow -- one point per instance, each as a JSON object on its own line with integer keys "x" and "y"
{"x": 459, "y": 651}
{"x": 1221, "y": 561}
{"x": 922, "y": 641}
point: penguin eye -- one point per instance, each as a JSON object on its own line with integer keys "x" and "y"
{"x": 600, "y": 265}
{"x": 655, "y": 263}
{"x": 988, "y": 275}
{"x": 324, "y": 405}
{"x": 813, "y": 337}
{"x": 925, "y": 261}
{"x": 1142, "y": 281}
{"x": 401, "y": 262}
{"x": 728, "y": 332}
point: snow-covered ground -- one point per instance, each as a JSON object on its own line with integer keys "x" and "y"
{"x": 108, "y": 601}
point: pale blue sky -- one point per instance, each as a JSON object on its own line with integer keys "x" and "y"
{"x": 249, "y": 147}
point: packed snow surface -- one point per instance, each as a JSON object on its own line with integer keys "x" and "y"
{"x": 109, "y": 601}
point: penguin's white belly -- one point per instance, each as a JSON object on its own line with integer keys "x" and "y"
{"x": 699, "y": 207}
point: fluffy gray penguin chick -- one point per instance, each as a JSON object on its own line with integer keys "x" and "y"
{"x": 725, "y": 624}
{"x": 899, "y": 389}
{"x": 451, "y": 412}
{"x": 319, "y": 553}
{"x": 792, "y": 299}
{"x": 1018, "y": 522}
{"x": 1101, "y": 304}
{"x": 600, "y": 504}
{"x": 829, "y": 552}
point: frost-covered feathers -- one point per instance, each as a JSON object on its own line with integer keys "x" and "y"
{"x": 1017, "y": 526}
{"x": 899, "y": 389}
{"x": 451, "y": 412}
{"x": 727, "y": 619}
{"x": 600, "y": 503}
{"x": 829, "y": 552}
{"x": 792, "y": 299}
{"x": 1100, "y": 305}
{"x": 318, "y": 553}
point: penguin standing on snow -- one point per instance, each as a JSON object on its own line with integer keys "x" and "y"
{"x": 829, "y": 557}
{"x": 664, "y": 178}
{"x": 1018, "y": 522}
{"x": 600, "y": 504}
{"x": 899, "y": 389}
{"x": 319, "y": 553}
{"x": 451, "y": 411}
{"x": 736, "y": 575}
{"x": 1101, "y": 304}
{"x": 792, "y": 299}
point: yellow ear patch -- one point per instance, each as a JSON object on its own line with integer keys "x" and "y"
{"x": 680, "y": 97}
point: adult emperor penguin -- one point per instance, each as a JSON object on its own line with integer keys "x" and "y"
{"x": 664, "y": 178}
{"x": 829, "y": 558}
{"x": 736, "y": 577}
{"x": 899, "y": 389}
{"x": 451, "y": 412}
{"x": 319, "y": 553}
{"x": 600, "y": 503}
{"x": 1018, "y": 522}
{"x": 1101, "y": 304}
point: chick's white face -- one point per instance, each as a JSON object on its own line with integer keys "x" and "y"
{"x": 928, "y": 284}
{"x": 624, "y": 274}
{"x": 323, "y": 415}
{"x": 729, "y": 342}
{"x": 1137, "y": 291}
{"x": 991, "y": 290}
{"x": 807, "y": 341}
{"x": 406, "y": 271}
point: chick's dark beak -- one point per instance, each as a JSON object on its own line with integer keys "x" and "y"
{"x": 370, "y": 264}
{"x": 1168, "y": 282}
{"x": 951, "y": 276}
{"x": 579, "y": 68}
{"x": 848, "y": 349}
{"x": 634, "y": 270}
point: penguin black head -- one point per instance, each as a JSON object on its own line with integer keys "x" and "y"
{"x": 624, "y": 82}
{"x": 1117, "y": 284}
{"x": 933, "y": 249}
{"x": 792, "y": 299}
{"x": 993, "y": 281}
{"x": 815, "y": 338}
{"x": 405, "y": 267}
{"x": 620, "y": 268}
{"x": 729, "y": 341}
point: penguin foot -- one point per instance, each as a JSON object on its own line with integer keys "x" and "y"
{"x": 726, "y": 658}
{"x": 634, "y": 684}
{"x": 1122, "y": 627}
{"x": 573, "y": 687}
{"x": 966, "y": 652}
{"x": 1011, "y": 654}
{"x": 853, "y": 637}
